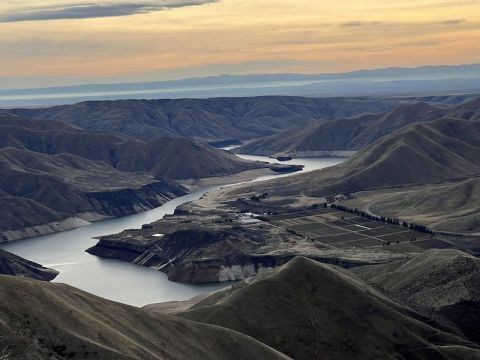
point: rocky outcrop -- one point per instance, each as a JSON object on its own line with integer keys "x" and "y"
{"x": 130, "y": 201}
{"x": 94, "y": 205}
{"x": 14, "y": 265}
{"x": 43, "y": 229}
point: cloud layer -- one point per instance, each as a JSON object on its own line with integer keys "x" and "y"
{"x": 74, "y": 10}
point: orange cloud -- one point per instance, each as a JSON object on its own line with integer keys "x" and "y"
{"x": 297, "y": 35}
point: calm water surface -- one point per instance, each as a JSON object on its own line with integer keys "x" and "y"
{"x": 118, "y": 280}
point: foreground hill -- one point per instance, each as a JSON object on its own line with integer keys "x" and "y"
{"x": 46, "y": 321}
{"x": 310, "y": 310}
{"x": 170, "y": 158}
{"x": 338, "y": 136}
{"x": 424, "y": 153}
{"x": 206, "y": 119}
{"x": 445, "y": 282}
{"x": 11, "y": 264}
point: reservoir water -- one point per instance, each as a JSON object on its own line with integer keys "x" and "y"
{"x": 117, "y": 280}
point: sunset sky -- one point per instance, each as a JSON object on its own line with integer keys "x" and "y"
{"x": 58, "y": 42}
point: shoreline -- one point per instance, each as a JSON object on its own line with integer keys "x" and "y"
{"x": 87, "y": 219}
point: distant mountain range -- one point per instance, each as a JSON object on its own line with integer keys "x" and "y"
{"x": 388, "y": 81}
{"x": 206, "y": 119}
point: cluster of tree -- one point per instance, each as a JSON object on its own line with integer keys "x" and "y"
{"x": 316, "y": 206}
{"x": 393, "y": 221}
{"x": 259, "y": 197}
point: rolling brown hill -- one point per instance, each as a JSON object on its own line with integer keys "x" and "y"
{"x": 310, "y": 310}
{"x": 425, "y": 153}
{"x": 468, "y": 110}
{"x": 53, "y": 175}
{"x": 450, "y": 207}
{"x": 343, "y": 134}
{"x": 56, "y": 321}
{"x": 206, "y": 119}
{"x": 39, "y": 189}
{"x": 170, "y": 158}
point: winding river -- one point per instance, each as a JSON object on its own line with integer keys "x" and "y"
{"x": 117, "y": 280}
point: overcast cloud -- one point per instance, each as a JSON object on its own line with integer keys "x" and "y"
{"x": 76, "y": 10}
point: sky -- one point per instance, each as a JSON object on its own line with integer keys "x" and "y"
{"x": 62, "y": 42}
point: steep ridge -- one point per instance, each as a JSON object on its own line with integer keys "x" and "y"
{"x": 310, "y": 310}
{"x": 11, "y": 264}
{"x": 46, "y": 320}
{"x": 172, "y": 158}
{"x": 343, "y": 134}
{"x": 206, "y": 119}
{"x": 424, "y": 153}
{"x": 444, "y": 282}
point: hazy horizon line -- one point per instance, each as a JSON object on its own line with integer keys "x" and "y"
{"x": 245, "y": 75}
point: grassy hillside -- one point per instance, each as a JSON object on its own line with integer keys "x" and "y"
{"x": 206, "y": 119}
{"x": 425, "y": 153}
{"x": 343, "y": 134}
{"x": 56, "y": 321}
{"x": 52, "y": 171}
{"x": 451, "y": 207}
{"x": 310, "y": 310}
{"x": 468, "y": 110}
{"x": 171, "y": 158}
{"x": 432, "y": 279}
{"x": 443, "y": 282}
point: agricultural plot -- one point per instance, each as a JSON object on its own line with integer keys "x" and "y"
{"x": 331, "y": 228}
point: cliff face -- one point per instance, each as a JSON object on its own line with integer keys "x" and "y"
{"x": 216, "y": 247}
{"x": 17, "y": 222}
{"x": 129, "y": 201}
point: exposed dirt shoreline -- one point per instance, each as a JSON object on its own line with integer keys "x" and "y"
{"x": 85, "y": 219}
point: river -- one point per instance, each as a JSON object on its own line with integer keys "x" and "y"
{"x": 117, "y": 280}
